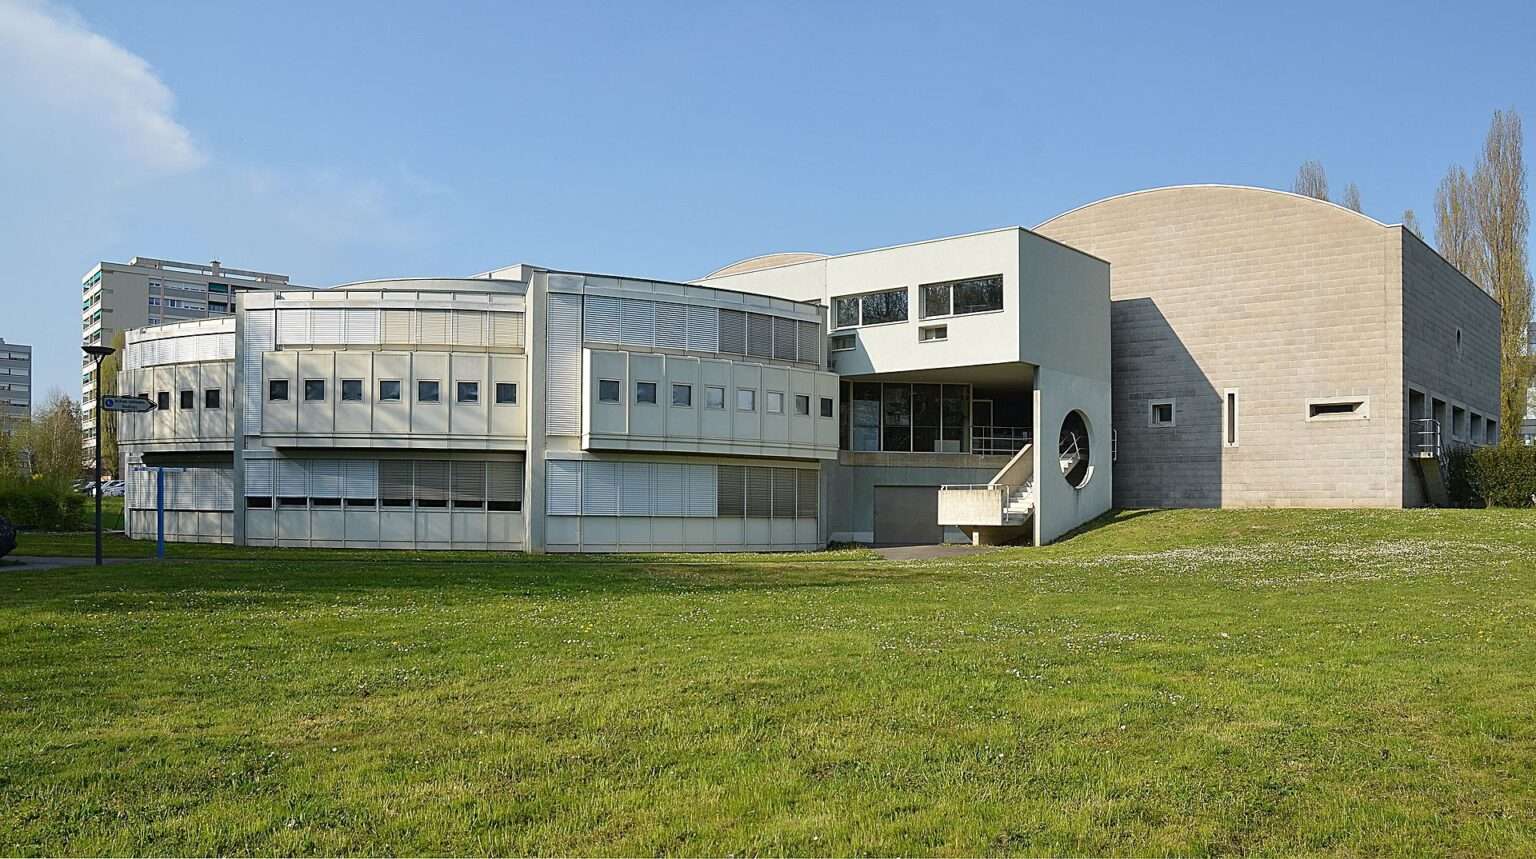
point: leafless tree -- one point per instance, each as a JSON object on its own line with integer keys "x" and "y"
{"x": 1503, "y": 222}
{"x": 50, "y": 442}
{"x": 1411, "y": 223}
{"x": 1352, "y": 197}
{"x": 1311, "y": 180}
{"x": 1456, "y": 228}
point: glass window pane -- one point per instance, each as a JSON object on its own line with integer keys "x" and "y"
{"x": 351, "y": 390}
{"x": 607, "y": 390}
{"x": 682, "y": 395}
{"x": 956, "y": 413}
{"x": 845, "y": 312}
{"x": 865, "y": 417}
{"x": 888, "y": 306}
{"x": 746, "y": 400}
{"x": 898, "y": 405}
{"x": 775, "y": 404}
{"x": 506, "y": 393}
{"x": 426, "y": 392}
{"x": 935, "y": 299}
{"x": 277, "y": 389}
{"x": 645, "y": 392}
{"x": 978, "y": 295}
{"x": 469, "y": 392}
{"x": 802, "y": 404}
{"x": 714, "y": 398}
{"x": 389, "y": 390}
{"x": 314, "y": 389}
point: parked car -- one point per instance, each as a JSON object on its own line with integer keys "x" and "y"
{"x": 114, "y": 489}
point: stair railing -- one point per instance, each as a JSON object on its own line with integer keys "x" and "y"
{"x": 1424, "y": 438}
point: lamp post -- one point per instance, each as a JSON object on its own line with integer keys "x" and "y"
{"x": 98, "y": 352}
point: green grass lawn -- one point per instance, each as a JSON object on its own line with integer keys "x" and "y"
{"x": 1187, "y": 682}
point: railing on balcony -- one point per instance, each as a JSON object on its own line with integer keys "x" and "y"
{"x": 1424, "y": 438}
{"x": 995, "y": 440}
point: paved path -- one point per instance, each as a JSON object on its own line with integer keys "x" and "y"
{"x": 918, "y": 553}
{"x": 33, "y": 563}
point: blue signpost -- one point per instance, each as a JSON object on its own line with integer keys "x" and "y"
{"x": 160, "y": 513}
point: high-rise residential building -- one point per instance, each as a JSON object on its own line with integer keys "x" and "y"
{"x": 15, "y": 382}
{"x": 146, "y": 291}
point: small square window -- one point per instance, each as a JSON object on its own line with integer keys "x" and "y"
{"x": 468, "y": 392}
{"x": 645, "y": 392}
{"x": 351, "y": 390}
{"x": 802, "y": 404}
{"x": 775, "y": 403}
{"x": 189, "y": 399}
{"x": 389, "y": 390}
{"x": 608, "y": 390}
{"x": 277, "y": 391}
{"x": 506, "y": 393}
{"x": 427, "y": 392}
{"x": 841, "y": 343}
{"x": 212, "y": 399}
{"x": 714, "y": 397}
{"x": 932, "y": 333}
{"x": 682, "y": 395}
{"x": 1160, "y": 413}
{"x": 746, "y": 400}
{"x": 314, "y": 390}
{"x": 826, "y": 407}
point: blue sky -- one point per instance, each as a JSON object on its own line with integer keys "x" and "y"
{"x": 337, "y": 141}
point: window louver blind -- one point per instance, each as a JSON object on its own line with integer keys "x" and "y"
{"x": 783, "y": 493}
{"x": 360, "y": 478}
{"x": 259, "y": 338}
{"x": 504, "y": 482}
{"x": 468, "y": 328}
{"x": 600, "y": 318}
{"x": 362, "y": 326}
{"x": 671, "y": 325}
{"x": 434, "y": 327}
{"x": 807, "y": 494}
{"x": 562, "y": 365}
{"x": 293, "y": 326}
{"x": 701, "y": 490}
{"x": 325, "y": 326}
{"x": 600, "y": 488}
{"x": 638, "y": 322}
{"x": 759, "y": 335}
{"x": 395, "y": 479}
{"x": 258, "y": 478}
{"x": 668, "y": 499}
{"x": 636, "y": 490}
{"x": 431, "y": 480}
{"x": 810, "y": 343}
{"x": 733, "y": 332}
{"x": 397, "y": 326}
{"x": 324, "y": 478}
{"x": 292, "y": 478}
{"x": 703, "y": 328}
{"x": 507, "y": 329}
{"x": 785, "y": 345}
{"x": 731, "y": 490}
{"x": 562, "y": 487}
{"x": 468, "y": 484}
{"x": 759, "y": 492}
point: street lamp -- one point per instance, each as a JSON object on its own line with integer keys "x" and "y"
{"x": 98, "y": 352}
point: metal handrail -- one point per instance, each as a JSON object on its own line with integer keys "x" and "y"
{"x": 1424, "y": 438}
{"x": 986, "y": 440}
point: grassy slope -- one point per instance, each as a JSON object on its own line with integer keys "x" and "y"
{"x": 1185, "y": 681}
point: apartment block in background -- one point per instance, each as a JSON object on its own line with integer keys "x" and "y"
{"x": 15, "y": 382}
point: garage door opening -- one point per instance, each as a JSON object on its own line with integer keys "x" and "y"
{"x": 907, "y": 516}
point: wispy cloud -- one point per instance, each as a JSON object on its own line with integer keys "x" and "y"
{"x": 62, "y": 79}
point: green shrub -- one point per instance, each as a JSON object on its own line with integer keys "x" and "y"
{"x": 41, "y": 505}
{"x": 1461, "y": 480}
{"x": 1504, "y": 476}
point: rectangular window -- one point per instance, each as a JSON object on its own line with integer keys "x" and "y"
{"x": 427, "y": 392}
{"x": 959, "y": 297}
{"x": 1345, "y": 409}
{"x": 714, "y": 397}
{"x": 775, "y": 403}
{"x": 211, "y": 398}
{"x": 826, "y": 407}
{"x": 389, "y": 390}
{"x": 682, "y": 395}
{"x": 845, "y": 312}
{"x": 746, "y": 400}
{"x": 351, "y": 390}
{"x": 468, "y": 392}
{"x": 608, "y": 390}
{"x": 314, "y": 390}
{"x": 506, "y": 393}
{"x": 802, "y": 404}
{"x": 873, "y": 308}
{"x": 932, "y": 333}
{"x": 277, "y": 391}
{"x": 842, "y": 343}
{"x": 645, "y": 393}
{"x": 1160, "y": 413}
{"x": 189, "y": 399}
{"x": 1229, "y": 417}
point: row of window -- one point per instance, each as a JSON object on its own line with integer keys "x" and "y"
{"x": 427, "y": 484}
{"x": 947, "y": 298}
{"x": 187, "y": 399}
{"x": 643, "y": 322}
{"x": 609, "y": 488}
{"x": 608, "y": 391}
{"x": 427, "y": 391}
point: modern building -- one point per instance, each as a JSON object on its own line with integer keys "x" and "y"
{"x": 557, "y": 411}
{"x": 15, "y": 382}
{"x": 1271, "y": 349}
{"x": 146, "y": 291}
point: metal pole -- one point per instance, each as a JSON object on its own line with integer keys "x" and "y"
{"x": 160, "y": 513}
{"x": 98, "y": 461}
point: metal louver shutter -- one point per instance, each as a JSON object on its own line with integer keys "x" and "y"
{"x": 293, "y": 327}
{"x": 504, "y": 485}
{"x": 434, "y": 327}
{"x": 636, "y": 490}
{"x": 397, "y": 327}
{"x": 507, "y": 329}
{"x": 324, "y": 478}
{"x": 638, "y": 322}
{"x": 362, "y": 326}
{"x": 783, "y": 493}
{"x": 810, "y": 338}
{"x": 807, "y": 493}
{"x": 258, "y": 478}
{"x": 223, "y": 347}
{"x": 325, "y": 326}
{"x": 599, "y": 488}
{"x": 562, "y": 487}
{"x": 292, "y": 478}
{"x": 360, "y": 479}
{"x": 703, "y": 329}
{"x": 671, "y": 325}
{"x": 730, "y": 491}
{"x": 259, "y": 339}
{"x": 701, "y": 490}
{"x": 759, "y": 335}
{"x": 733, "y": 332}
{"x": 468, "y": 328}
{"x": 759, "y": 492}
{"x": 562, "y": 365}
{"x": 396, "y": 482}
{"x": 431, "y": 480}
{"x": 785, "y": 341}
{"x": 669, "y": 489}
{"x": 468, "y": 484}
{"x": 223, "y": 480}
{"x": 600, "y": 318}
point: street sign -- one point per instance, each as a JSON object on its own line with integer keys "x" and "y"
{"x": 127, "y": 404}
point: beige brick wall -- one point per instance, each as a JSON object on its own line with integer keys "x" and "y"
{"x": 1284, "y": 298}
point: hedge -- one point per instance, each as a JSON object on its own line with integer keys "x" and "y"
{"x": 1496, "y": 476}
{"x": 42, "y": 506}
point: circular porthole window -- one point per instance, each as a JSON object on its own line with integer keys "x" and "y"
{"x": 1074, "y": 454}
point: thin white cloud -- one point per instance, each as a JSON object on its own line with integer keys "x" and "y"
{"x": 57, "y": 77}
